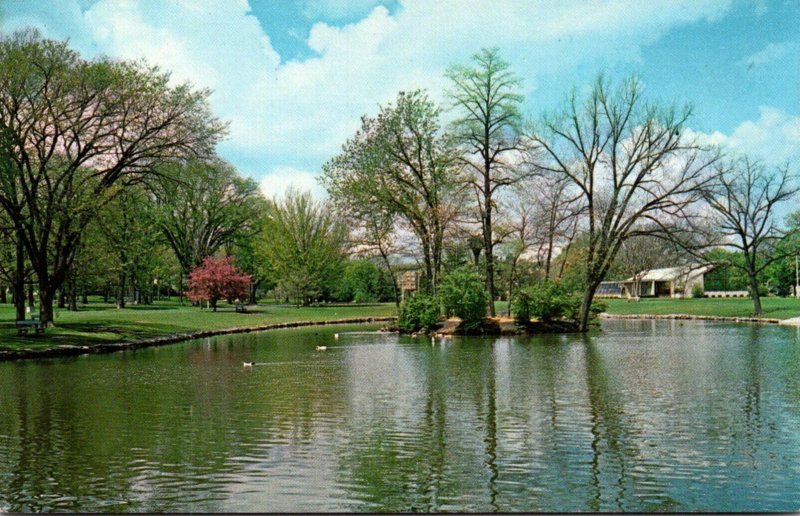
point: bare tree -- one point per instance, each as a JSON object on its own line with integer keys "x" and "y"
{"x": 555, "y": 217}
{"x": 744, "y": 197}
{"x": 373, "y": 233}
{"x": 632, "y": 168}
{"x": 638, "y": 255}
{"x": 521, "y": 230}
{"x": 487, "y": 100}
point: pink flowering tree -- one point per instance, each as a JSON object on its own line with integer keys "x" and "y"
{"x": 215, "y": 279}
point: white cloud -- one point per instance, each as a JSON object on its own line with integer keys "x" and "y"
{"x": 770, "y": 53}
{"x": 281, "y": 179}
{"x": 773, "y": 138}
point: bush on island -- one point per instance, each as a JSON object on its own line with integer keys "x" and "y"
{"x": 550, "y": 301}
{"x": 419, "y": 312}
{"x": 463, "y": 294}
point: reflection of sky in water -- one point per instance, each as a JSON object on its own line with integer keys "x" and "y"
{"x": 645, "y": 415}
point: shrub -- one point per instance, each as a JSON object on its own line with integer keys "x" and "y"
{"x": 463, "y": 294}
{"x": 598, "y": 307}
{"x": 521, "y": 307}
{"x": 359, "y": 281}
{"x": 697, "y": 291}
{"x": 549, "y": 301}
{"x": 421, "y": 311}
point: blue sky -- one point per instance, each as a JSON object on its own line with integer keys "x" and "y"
{"x": 293, "y": 77}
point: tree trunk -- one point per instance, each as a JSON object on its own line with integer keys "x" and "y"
{"x": 586, "y": 307}
{"x": 121, "y": 291}
{"x": 429, "y": 272}
{"x": 757, "y": 310}
{"x": 62, "y": 298}
{"x": 511, "y": 277}
{"x": 253, "y": 288}
{"x": 18, "y": 284}
{"x": 549, "y": 257}
{"x": 84, "y": 296}
{"x": 18, "y": 287}
{"x": 488, "y": 245}
{"x": 3, "y": 297}
{"x": 47, "y": 295}
{"x": 72, "y": 294}
{"x": 30, "y": 295}
{"x": 392, "y": 275}
{"x": 490, "y": 280}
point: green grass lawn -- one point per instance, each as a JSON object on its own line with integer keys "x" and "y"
{"x": 98, "y": 322}
{"x": 774, "y": 307}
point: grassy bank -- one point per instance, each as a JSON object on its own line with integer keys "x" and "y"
{"x": 774, "y": 307}
{"x": 98, "y": 323}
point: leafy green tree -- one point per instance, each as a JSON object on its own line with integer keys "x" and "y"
{"x": 781, "y": 275}
{"x": 462, "y": 294}
{"x": 728, "y": 273}
{"x": 244, "y": 248}
{"x": 128, "y": 225}
{"x": 15, "y": 269}
{"x": 302, "y": 241}
{"x": 79, "y": 131}
{"x": 363, "y": 282}
{"x": 400, "y": 164}
{"x": 486, "y": 99}
{"x": 373, "y": 234}
{"x": 204, "y": 205}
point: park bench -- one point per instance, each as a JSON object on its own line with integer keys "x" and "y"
{"x": 240, "y": 308}
{"x": 33, "y": 322}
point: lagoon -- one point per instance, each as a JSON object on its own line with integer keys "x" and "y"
{"x": 641, "y": 416}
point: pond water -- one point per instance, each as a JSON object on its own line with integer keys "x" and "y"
{"x": 642, "y": 416}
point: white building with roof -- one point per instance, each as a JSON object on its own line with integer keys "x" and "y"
{"x": 674, "y": 282}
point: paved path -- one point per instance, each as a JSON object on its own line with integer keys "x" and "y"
{"x": 794, "y": 321}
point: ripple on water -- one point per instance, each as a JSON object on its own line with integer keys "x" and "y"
{"x": 651, "y": 416}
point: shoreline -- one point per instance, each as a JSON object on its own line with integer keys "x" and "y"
{"x": 688, "y": 317}
{"x": 110, "y": 347}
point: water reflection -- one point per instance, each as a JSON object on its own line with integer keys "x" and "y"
{"x": 644, "y": 416}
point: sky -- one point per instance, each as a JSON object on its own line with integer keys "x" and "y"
{"x": 293, "y": 77}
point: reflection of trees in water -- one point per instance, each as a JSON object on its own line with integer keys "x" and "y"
{"x": 615, "y": 442}
{"x": 471, "y": 425}
{"x": 396, "y": 464}
{"x": 155, "y": 434}
{"x": 490, "y": 438}
{"x": 752, "y": 394}
{"x": 43, "y": 414}
{"x": 445, "y": 456}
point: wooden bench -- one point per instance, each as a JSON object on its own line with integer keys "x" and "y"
{"x": 33, "y": 322}
{"x": 240, "y": 308}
